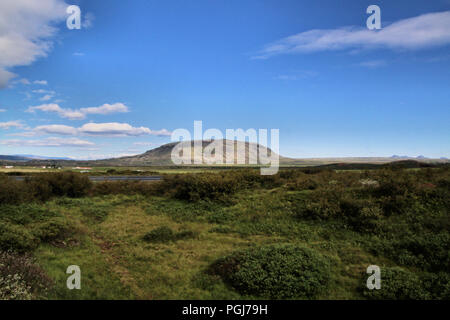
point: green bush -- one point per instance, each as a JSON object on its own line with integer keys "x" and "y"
{"x": 437, "y": 284}
{"x": 126, "y": 187}
{"x": 95, "y": 212}
{"x": 397, "y": 284}
{"x": 275, "y": 272}
{"x": 161, "y": 234}
{"x": 70, "y": 184}
{"x": 11, "y": 191}
{"x": 165, "y": 234}
{"x": 25, "y": 213}
{"x": 17, "y": 238}
{"x": 54, "y": 229}
{"x": 428, "y": 251}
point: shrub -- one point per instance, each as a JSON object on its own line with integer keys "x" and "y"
{"x": 11, "y": 191}
{"x": 161, "y": 234}
{"x": 125, "y": 187}
{"x": 275, "y": 272}
{"x": 165, "y": 234}
{"x": 96, "y": 212}
{"x": 438, "y": 285}
{"x": 25, "y": 213}
{"x": 25, "y": 278}
{"x": 426, "y": 251}
{"x": 68, "y": 184}
{"x": 17, "y": 238}
{"x": 54, "y": 229}
{"x": 397, "y": 284}
{"x": 186, "y": 234}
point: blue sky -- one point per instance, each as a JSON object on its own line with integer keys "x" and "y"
{"x": 138, "y": 70}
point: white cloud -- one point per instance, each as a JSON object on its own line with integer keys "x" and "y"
{"x": 26, "y": 32}
{"x": 78, "y": 54}
{"x": 56, "y": 129}
{"x": 46, "y": 97}
{"x": 49, "y": 142}
{"x": 88, "y": 20}
{"x": 10, "y": 124}
{"x": 372, "y": 63}
{"x": 421, "y": 32}
{"x": 144, "y": 144}
{"x": 106, "y": 109}
{"x": 64, "y": 113}
{"x": 2, "y": 110}
{"x": 162, "y": 133}
{"x": 81, "y": 113}
{"x": 41, "y": 82}
{"x": 113, "y": 129}
{"x": 5, "y": 76}
{"x": 43, "y": 91}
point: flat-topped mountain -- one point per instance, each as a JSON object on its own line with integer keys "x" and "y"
{"x": 163, "y": 154}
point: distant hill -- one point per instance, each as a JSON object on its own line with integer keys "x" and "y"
{"x": 163, "y": 154}
{"x": 13, "y": 158}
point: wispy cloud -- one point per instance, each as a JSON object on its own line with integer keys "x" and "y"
{"x": 41, "y": 82}
{"x": 106, "y": 109}
{"x": 421, "y": 32}
{"x": 118, "y": 129}
{"x": 79, "y": 114}
{"x": 372, "y": 63}
{"x": 56, "y": 129}
{"x": 143, "y": 144}
{"x": 2, "y": 110}
{"x": 297, "y": 75}
{"x": 11, "y": 124}
{"x": 49, "y": 142}
{"x": 46, "y": 97}
{"x": 88, "y": 20}
{"x": 63, "y": 113}
{"x": 112, "y": 129}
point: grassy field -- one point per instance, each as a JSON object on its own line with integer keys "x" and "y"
{"x": 165, "y": 240}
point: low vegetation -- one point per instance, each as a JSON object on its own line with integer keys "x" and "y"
{"x": 301, "y": 234}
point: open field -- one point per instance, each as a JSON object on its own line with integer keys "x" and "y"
{"x": 233, "y": 234}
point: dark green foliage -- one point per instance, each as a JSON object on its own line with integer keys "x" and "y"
{"x": 165, "y": 234}
{"x": 96, "y": 212}
{"x": 437, "y": 285}
{"x": 397, "y": 284}
{"x": 54, "y": 229}
{"x": 125, "y": 187}
{"x": 23, "y": 227}
{"x": 11, "y": 191}
{"x": 430, "y": 251}
{"x": 67, "y": 184}
{"x": 43, "y": 187}
{"x": 218, "y": 186}
{"x": 17, "y": 238}
{"x": 275, "y": 272}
